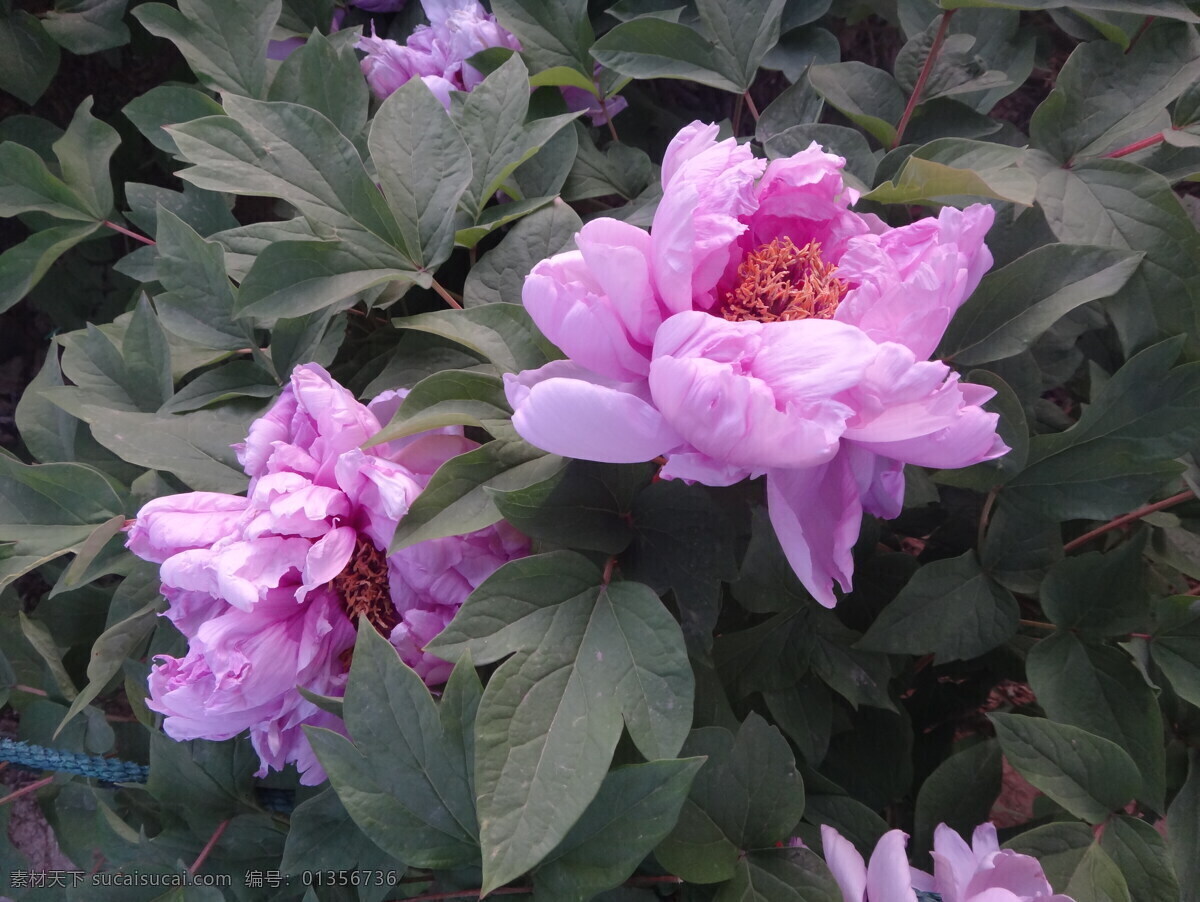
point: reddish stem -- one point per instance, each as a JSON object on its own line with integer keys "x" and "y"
{"x": 446, "y": 296}
{"x": 1141, "y": 31}
{"x": 25, "y": 790}
{"x": 751, "y": 107}
{"x": 1135, "y": 146}
{"x": 919, "y": 87}
{"x": 208, "y": 847}
{"x": 1133, "y": 515}
{"x": 612, "y": 129}
{"x": 124, "y": 231}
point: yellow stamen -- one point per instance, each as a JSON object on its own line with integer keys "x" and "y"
{"x": 781, "y": 282}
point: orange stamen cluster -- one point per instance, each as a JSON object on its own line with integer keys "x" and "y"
{"x": 363, "y": 587}
{"x": 781, "y": 282}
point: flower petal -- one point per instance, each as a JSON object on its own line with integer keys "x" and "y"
{"x": 845, "y": 863}
{"x": 888, "y": 878}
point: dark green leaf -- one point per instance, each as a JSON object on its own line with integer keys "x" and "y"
{"x": 22, "y": 266}
{"x": 1184, "y": 818}
{"x": 551, "y": 34}
{"x": 26, "y": 184}
{"x": 1100, "y": 595}
{"x": 635, "y": 808}
{"x": 1059, "y": 847}
{"x": 424, "y": 167}
{"x": 867, "y": 96}
{"x": 1141, "y": 855}
{"x": 87, "y": 26}
{"x": 323, "y": 837}
{"x": 224, "y": 41}
{"x": 165, "y": 105}
{"x": 950, "y": 608}
{"x": 236, "y": 379}
{"x": 204, "y": 211}
{"x": 1089, "y": 776}
{"x": 447, "y": 398}
{"x": 655, "y": 48}
{"x": 28, "y": 56}
{"x": 1014, "y": 305}
{"x": 957, "y": 69}
{"x": 959, "y": 793}
{"x": 1172, "y": 9}
{"x": 326, "y": 77}
{"x": 1098, "y": 878}
{"x": 499, "y": 275}
{"x": 1176, "y": 645}
{"x": 404, "y": 779}
{"x": 567, "y": 632}
{"x": 501, "y": 333}
{"x": 745, "y": 30}
{"x": 618, "y": 169}
{"x": 780, "y": 875}
{"x": 805, "y": 713}
{"x": 1099, "y": 689}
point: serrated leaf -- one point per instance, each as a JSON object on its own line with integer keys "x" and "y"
{"x": 403, "y": 779}
{"x": 1101, "y": 690}
{"x": 633, "y": 810}
{"x": 224, "y": 41}
{"x": 1013, "y": 306}
{"x": 499, "y": 275}
{"x": 567, "y": 632}
{"x": 424, "y": 167}
{"x": 867, "y": 96}
{"x": 456, "y": 501}
{"x": 1089, "y": 776}
{"x": 950, "y": 608}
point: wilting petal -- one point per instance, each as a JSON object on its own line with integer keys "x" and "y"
{"x": 566, "y": 410}
{"x": 817, "y": 514}
{"x": 845, "y": 863}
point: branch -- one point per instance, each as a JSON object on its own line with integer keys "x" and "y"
{"x": 1130, "y": 517}
{"x": 124, "y": 231}
{"x": 926, "y": 69}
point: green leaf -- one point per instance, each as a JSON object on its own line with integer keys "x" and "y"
{"x": 1059, "y": 847}
{"x": 147, "y": 358}
{"x": 292, "y": 152}
{"x": 1089, "y": 776}
{"x": 634, "y": 809}
{"x": 780, "y": 875}
{"x": 1122, "y": 205}
{"x": 584, "y": 505}
{"x": 1099, "y": 689}
{"x": 655, "y": 48}
{"x": 244, "y": 243}
{"x": 1175, "y": 647}
{"x": 1099, "y": 594}
{"x": 424, "y": 167}
{"x": 326, "y": 77}
{"x": 498, "y": 215}
{"x": 447, "y": 398}
{"x": 1142, "y": 857}
{"x": 959, "y": 793}
{"x": 456, "y": 501}
{"x": 551, "y": 34}
{"x": 491, "y": 119}
{"x": 805, "y": 713}
{"x": 322, "y": 836}
{"x": 235, "y": 379}
{"x": 499, "y": 275}
{"x": 224, "y": 41}
{"x": 1184, "y": 818}
{"x": 950, "y": 608}
{"x": 682, "y": 541}
{"x": 990, "y": 172}
{"x": 87, "y": 26}
{"x": 849, "y": 143}
{"x": 28, "y": 56}
{"x": 957, "y": 69}
{"x": 38, "y": 635}
{"x": 1013, "y": 306}
{"x": 1104, "y": 92}
{"x": 501, "y": 333}
{"x": 199, "y": 301}
{"x": 48, "y": 509}
{"x": 1098, "y": 878}
{"x": 567, "y": 633}
{"x": 744, "y": 30}
{"x": 404, "y": 778}
{"x": 1013, "y": 429}
{"x": 26, "y": 184}
{"x": 618, "y": 169}
{"x": 1122, "y": 447}
{"x": 165, "y": 105}
{"x": 294, "y": 278}
{"x": 697, "y": 848}
{"x": 867, "y": 96}
{"x": 23, "y": 265}
{"x": 1172, "y": 9}
{"x": 204, "y": 211}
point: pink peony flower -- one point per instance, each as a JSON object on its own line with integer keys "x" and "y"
{"x": 762, "y": 328}
{"x": 267, "y": 587}
{"x": 436, "y": 53}
{"x": 980, "y": 872}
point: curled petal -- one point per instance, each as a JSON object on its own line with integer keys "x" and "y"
{"x": 888, "y": 878}
{"x": 566, "y": 410}
{"x": 845, "y": 863}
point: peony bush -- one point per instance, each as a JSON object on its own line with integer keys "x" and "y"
{"x": 725, "y": 452}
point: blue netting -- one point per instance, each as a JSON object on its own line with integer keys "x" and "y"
{"x": 112, "y": 770}
{"x": 925, "y": 896}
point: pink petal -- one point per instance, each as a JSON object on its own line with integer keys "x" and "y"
{"x": 845, "y": 863}
{"x": 817, "y": 514}
{"x": 326, "y": 559}
{"x": 166, "y": 526}
{"x": 565, "y": 410}
{"x": 953, "y": 864}
{"x": 888, "y": 878}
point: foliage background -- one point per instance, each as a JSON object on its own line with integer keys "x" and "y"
{"x": 993, "y": 638}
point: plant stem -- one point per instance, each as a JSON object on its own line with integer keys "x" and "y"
{"x": 30, "y": 690}
{"x": 919, "y": 87}
{"x": 25, "y": 790}
{"x": 985, "y": 516}
{"x": 751, "y": 107}
{"x": 737, "y": 114}
{"x": 612, "y": 129}
{"x": 208, "y": 846}
{"x": 1146, "y": 23}
{"x": 124, "y": 231}
{"x": 446, "y": 296}
{"x": 1037, "y": 624}
{"x": 1135, "y": 146}
{"x": 1133, "y": 515}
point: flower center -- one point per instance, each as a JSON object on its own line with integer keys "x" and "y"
{"x": 363, "y": 587}
{"x": 781, "y": 282}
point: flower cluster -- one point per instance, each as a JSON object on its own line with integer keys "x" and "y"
{"x": 267, "y": 587}
{"x": 980, "y": 872}
{"x": 437, "y": 54}
{"x": 763, "y": 328}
